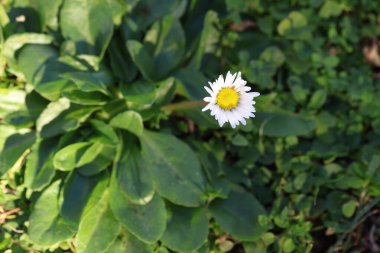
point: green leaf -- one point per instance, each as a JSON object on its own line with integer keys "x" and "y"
{"x": 45, "y": 71}
{"x": 128, "y": 120}
{"x": 297, "y": 19}
{"x": 5, "y": 132}
{"x": 105, "y": 130}
{"x": 147, "y": 222}
{"x": 300, "y": 180}
{"x": 281, "y": 125}
{"x": 96, "y": 158}
{"x": 80, "y": 195}
{"x": 187, "y": 229}
{"x": 331, "y": 9}
{"x": 142, "y": 59}
{"x": 39, "y": 169}
{"x": 17, "y": 41}
{"x": 298, "y": 91}
{"x": 225, "y": 245}
{"x": 14, "y": 146}
{"x": 331, "y": 61}
{"x": 238, "y": 215}
{"x": 175, "y": 169}
{"x": 19, "y": 119}
{"x": 268, "y": 238}
{"x": 273, "y": 55}
{"x": 203, "y": 120}
{"x": 288, "y": 245}
{"x": 35, "y": 103}
{"x": 164, "y": 92}
{"x": 318, "y": 99}
{"x": 47, "y": 227}
{"x": 240, "y": 140}
{"x": 209, "y": 39}
{"x": 192, "y": 82}
{"x": 120, "y": 61}
{"x": 140, "y": 94}
{"x": 348, "y": 181}
{"x": 90, "y": 81}
{"x": 374, "y": 165}
{"x": 349, "y": 208}
{"x": 4, "y": 19}
{"x": 11, "y": 100}
{"x": 67, "y": 121}
{"x": 67, "y": 158}
{"x": 284, "y": 26}
{"x": 98, "y": 228}
{"x": 293, "y": 25}
{"x": 94, "y": 33}
{"x": 168, "y": 40}
{"x": 126, "y": 242}
{"x": 52, "y": 111}
{"x": 85, "y": 98}
{"x": 148, "y": 11}
{"x": 132, "y": 175}
{"x": 38, "y": 46}
{"x": 119, "y": 8}
{"x": 48, "y": 13}
{"x": 251, "y": 247}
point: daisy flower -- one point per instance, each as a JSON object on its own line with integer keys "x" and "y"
{"x": 230, "y": 100}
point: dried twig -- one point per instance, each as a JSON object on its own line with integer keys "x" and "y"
{"x": 4, "y": 215}
{"x": 374, "y": 246}
{"x": 371, "y": 53}
{"x": 243, "y": 25}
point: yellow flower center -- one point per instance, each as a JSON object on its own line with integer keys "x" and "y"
{"x": 227, "y": 98}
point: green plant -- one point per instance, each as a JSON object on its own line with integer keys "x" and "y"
{"x": 105, "y": 148}
{"x": 100, "y": 77}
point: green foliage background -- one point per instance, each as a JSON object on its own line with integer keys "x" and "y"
{"x": 105, "y": 148}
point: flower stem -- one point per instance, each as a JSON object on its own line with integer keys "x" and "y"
{"x": 183, "y": 106}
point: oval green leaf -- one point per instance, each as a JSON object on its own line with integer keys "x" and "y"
{"x": 128, "y": 120}
{"x": 186, "y": 230}
{"x": 146, "y": 222}
{"x": 174, "y": 167}
{"x": 349, "y": 208}
{"x": 106, "y": 130}
{"x": 39, "y": 169}
{"x": 67, "y": 158}
{"x": 47, "y": 227}
{"x": 126, "y": 242}
{"x": 282, "y": 125}
{"x": 67, "y": 121}
{"x": 132, "y": 175}
{"x": 14, "y": 146}
{"x": 94, "y": 33}
{"x": 142, "y": 59}
{"x": 98, "y": 228}
{"x": 80, "y": 194}
{"x": 52, "y": 111}
{"x": 168, "y": 36}
{"x": 96, "y": 158}
{"x": 238, "y": 215}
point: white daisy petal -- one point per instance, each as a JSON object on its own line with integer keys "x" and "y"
{"x": 220, "y": 80}
{"x": 207, "y": 107}
{"x": 230, "y": 100}
{"x": 209, "y": 90}
{"x": 207, "y": 99}
{"x": 247, "y": 88}
{"x": 230, "y": 79}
